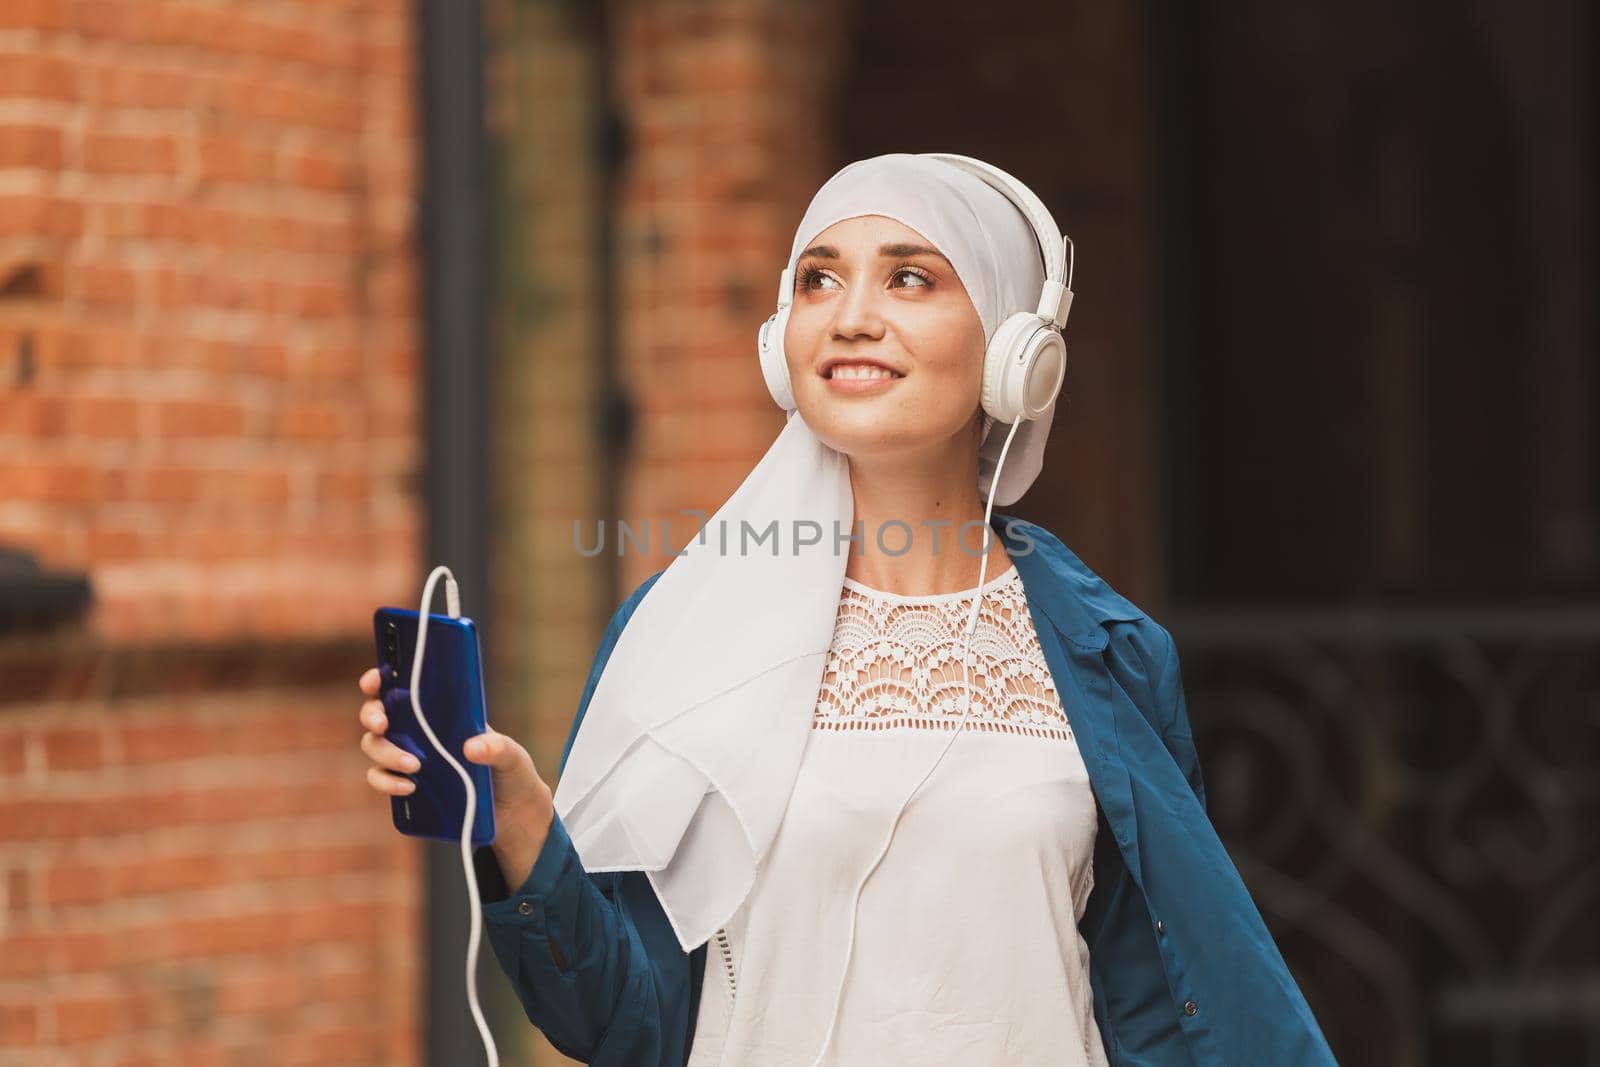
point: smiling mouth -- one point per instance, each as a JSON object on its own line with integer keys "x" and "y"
{"x": 859, "y": 372}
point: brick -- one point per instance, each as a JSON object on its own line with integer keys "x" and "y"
{"x": 199, "y": 418}
{"x": 315, "y": 924}
{"x": 318, "y": 170}
{"x": 170, "y": 222}
{"x": 27, "y": 954}
{"x": 49, "y": 15}
{"x": 159, "y": 483}
{"x": 40, "y": 215}
{"x": 234, "y": 159}
{"x": 31, "y": 75}
{"x": 19, "y": 1025}
{"x": 273, "y": 101}
{"x": 19, "y": 890}
{"x": 72, "y": 748}
{"x": 115, "y": 417}
{"x": 172, "y": 874}
{"x": 349, "y": 484}
{"x": 311, "y": 421}
{"x": 329, "y": 1043}
{"x": 310, "y": 299}
{"x": 30, "y": 146}
{"x": 54, "y": 481}
{"x": 82, "y": 1019}
{"x": 25, "y": 817}
{"x": 119, "y": 20}
{"x": 264, "y": 995}
{"x": 103, "y": 286}
{"x": 34, "y": 415}
{"x": 330, "y": 362}
{"x": 115, "y": 544}
{"x": 121, "y": 85}
{"x": 165, "y": 738}
{"x": 218, "y": 544}
{"x": 13, "y": 754}
{"x": 125, "y": 153}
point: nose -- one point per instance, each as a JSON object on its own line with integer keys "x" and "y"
{"x": 857, "y": 314}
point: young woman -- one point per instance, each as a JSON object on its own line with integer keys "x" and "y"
{"x": 904, "y": 782}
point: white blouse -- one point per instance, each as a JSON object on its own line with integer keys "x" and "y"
{"x": 967, "y": 948}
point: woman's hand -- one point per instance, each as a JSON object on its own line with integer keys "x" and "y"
{"x": 523, "y": 803}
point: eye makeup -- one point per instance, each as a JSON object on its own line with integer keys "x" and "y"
{"x": 807, "y": 275}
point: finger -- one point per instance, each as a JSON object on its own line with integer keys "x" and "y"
{"x": 370, "y": 682}
{"x": 373, "y": 718}
{"x": 388, "y": 755}
{"x": 389, "y": 784}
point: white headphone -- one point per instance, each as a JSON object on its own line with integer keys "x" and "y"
{"x": 1026, "y": 360}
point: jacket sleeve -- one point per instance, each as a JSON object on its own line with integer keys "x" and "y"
{"x": 1176, "y": 734}
{"x": 572, "y": 951}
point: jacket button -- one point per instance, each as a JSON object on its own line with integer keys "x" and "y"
{"x": 1189, "y": 1007}
{"x": 1161, "y": 928}
{"x": 524, "y": 907}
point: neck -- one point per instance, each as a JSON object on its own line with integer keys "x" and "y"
{"x": 911, "y": 513}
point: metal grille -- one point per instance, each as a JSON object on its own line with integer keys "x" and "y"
{"x": 1413, "y": 798}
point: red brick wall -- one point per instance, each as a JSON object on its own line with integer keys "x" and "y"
{"x": 219, "y": 419}
{"x": 207, "y": 372}
{"x": 198, "y": 877}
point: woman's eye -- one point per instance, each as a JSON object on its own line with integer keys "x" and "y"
{"x": 920, "y": 280}
{"x": 811, "y": 276}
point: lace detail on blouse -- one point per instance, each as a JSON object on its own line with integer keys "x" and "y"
{"x": 895, "y": 661}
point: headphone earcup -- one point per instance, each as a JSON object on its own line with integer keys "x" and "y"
{"x": 1023, "y": 368}
{"x": 774, "y": 364}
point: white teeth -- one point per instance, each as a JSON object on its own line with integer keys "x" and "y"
{"x": 853, "y": 371}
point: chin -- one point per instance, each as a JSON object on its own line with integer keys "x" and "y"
{"x": 870, "y": 428}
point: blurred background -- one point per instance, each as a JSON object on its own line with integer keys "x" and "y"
{"x": 298, "y": 299}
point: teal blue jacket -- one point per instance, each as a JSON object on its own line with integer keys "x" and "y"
{"x": 1183, "y": 969}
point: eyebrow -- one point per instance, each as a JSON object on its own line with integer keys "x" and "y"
{"x": 888, "y": 251}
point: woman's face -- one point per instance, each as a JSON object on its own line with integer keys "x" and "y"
{"x": 885, "y": 347}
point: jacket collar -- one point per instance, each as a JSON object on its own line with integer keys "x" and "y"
{"x": 1077, "y": 600}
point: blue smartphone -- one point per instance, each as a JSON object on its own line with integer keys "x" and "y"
{"x": 452, "y": 698}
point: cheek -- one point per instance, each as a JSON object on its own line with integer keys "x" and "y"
{"x": 949, "y": 346}
{"x": 801, "y": 332}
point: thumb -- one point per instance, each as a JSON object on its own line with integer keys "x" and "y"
{"x": 492, "y": 749}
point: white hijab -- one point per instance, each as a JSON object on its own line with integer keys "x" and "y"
{"x": 689, "y": 747}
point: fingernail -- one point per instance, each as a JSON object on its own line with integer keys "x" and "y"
{"x": 475, "y": 747}
{"x": 411, "y": 763}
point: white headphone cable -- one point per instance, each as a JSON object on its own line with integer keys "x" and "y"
{"x": 452, "y": 597}
{"x": 966, "y": 654}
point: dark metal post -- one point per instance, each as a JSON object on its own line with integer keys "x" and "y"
{"x": 454, "y": 229}
{"x": 615, "y": 413}
{"x": 1171, "y": 29}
